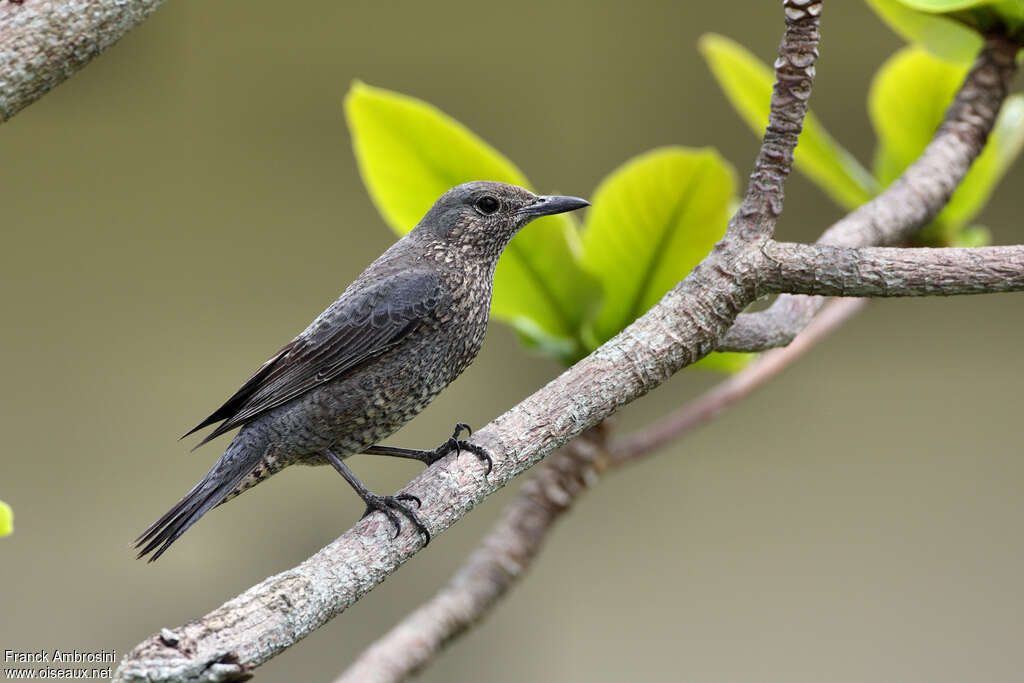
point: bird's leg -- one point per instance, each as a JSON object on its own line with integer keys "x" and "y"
{"x": 386, "y": 504}
{"x": 428, "y": 457}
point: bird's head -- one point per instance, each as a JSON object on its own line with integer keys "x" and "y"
{"x": 484, "y": 215}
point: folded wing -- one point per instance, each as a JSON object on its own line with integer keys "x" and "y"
{"x": 356, "y": 327}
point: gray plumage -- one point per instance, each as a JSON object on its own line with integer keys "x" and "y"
{"x": 408, "y": 326}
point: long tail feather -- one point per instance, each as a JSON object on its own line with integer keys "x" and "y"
{"x": 238, "y": 461}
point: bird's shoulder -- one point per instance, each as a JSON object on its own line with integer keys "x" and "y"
{"x": 380, "y": 299}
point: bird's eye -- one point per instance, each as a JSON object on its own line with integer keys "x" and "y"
{"x": 487, "y": 204}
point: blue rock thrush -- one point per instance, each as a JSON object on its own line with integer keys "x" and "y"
{"x": 398, "y": 335}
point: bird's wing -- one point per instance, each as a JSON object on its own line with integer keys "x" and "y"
{"x": 356, "y": 327}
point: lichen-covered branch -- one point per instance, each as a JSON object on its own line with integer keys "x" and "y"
{"x": 42, "y": 43}
{"x": 275, "y": 614}
{"x": 912, "y": 200}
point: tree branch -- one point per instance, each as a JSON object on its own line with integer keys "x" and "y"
{"x": 794, "y": 77}
{"x": 42, "y": 43}
{"x": 511, "y": 546}
{"x": 912, "y": 200}
{"x": 887, "y": 271}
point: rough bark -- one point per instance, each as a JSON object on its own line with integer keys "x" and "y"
{"x": 887, "y": 271}
{"x": 794, "y": 76}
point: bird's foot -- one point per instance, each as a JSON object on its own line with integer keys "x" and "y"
{"x": 428, "y": 457}
{"x": 456, "y": 445}
{"x": 391, "y": 506}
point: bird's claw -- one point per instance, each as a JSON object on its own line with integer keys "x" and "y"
{"x": 410, "y": 497}
{"x": 456, "y": 445}
{"x": 482, "y": 455}
{"x": 389, "y": 504}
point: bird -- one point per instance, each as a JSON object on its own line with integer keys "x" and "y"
{"x": 399, "y": 334}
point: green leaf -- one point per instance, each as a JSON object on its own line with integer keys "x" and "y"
{"x": 653, "y": 219}
{"x": 6, "y": 519}
{"x": 944, "y": 5}
{"x": 410, "y": 153}
{"x": 907, "y": 102}
{"x": 982, "y": 15}
{"x": 943, "y": 36}
{"x": 974, "y": 236}
{"x": 1009, "y": 9}
{"x": 747, "y": 82}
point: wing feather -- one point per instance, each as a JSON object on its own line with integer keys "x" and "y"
{"x": 355, "y": 328}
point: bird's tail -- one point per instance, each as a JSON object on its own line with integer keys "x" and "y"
{"x": 230, "y": 475}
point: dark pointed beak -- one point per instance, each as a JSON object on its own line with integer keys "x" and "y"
{"x": 547, "y": 205}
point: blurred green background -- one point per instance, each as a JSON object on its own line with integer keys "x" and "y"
{"x": 174, "y": 213}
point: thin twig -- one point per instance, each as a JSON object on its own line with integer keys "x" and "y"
{"x": 727, "y": 393}
{"x": 794, "y": 77}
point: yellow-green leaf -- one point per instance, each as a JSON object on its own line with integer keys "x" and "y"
{"x": 980, "y": 16}
{"x": 653, "y": 219}
{"x": 943, "y": 36}
{"x": 410, "y": 153}
{"x": 907, "y": 102}
{"x": 747, "y": 82}
{"x": 945, "y": 5}
{"x": 1005, "y": 9}
{"x": 6, "y": 519}
{"x": 974, "y": 236}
